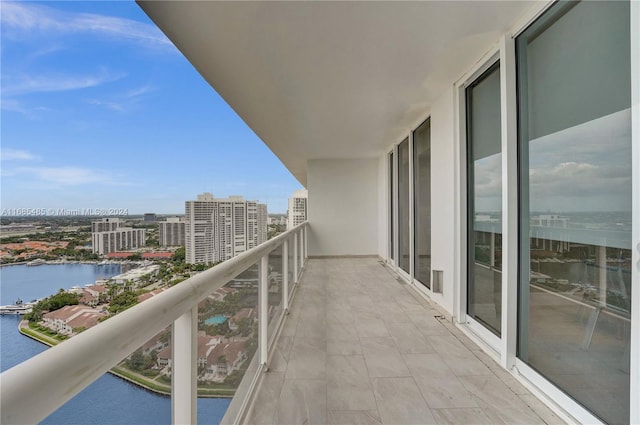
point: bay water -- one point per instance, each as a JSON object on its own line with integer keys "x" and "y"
{"x": 109, "y": 400}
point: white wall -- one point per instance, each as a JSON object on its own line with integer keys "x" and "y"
{"x": 383, "y": 206}
{"x": 343, "y": 206}
{"x": 443, "y": 194}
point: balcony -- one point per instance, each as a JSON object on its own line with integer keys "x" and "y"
{"x": 361, "y": 346}
{"x": 358, "y": 345}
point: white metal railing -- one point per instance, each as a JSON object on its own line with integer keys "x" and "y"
{"x": 37, "y": 387}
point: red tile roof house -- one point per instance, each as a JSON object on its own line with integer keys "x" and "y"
{"x": 206, "y": 344}
{"x": 156, "y": 344}
{"x": 164, "y": 358}
{"x": 69, "y": 317}
{"x": 157, "y": 255}
{"x": 147, "y": 295}
{"x": 96, "y": 290}
{"x": 224, "y": 359}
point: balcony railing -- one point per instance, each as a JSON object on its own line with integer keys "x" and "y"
{"x": 37, "y": 387}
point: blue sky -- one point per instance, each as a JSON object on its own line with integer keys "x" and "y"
{"x": 100, "y": 110}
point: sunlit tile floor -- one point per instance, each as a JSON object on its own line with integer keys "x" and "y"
{"x": 359, "y": 347}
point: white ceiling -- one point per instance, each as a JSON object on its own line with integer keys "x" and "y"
{"x": 317, "y": 80}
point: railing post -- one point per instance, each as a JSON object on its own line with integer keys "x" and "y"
{"x": 303, "y": 239}
{"x": 285, "y": 276}
{"x": 263, "y": 306}
{"x": 295, "y": 257}
{"x": 306, "y": 243}
{"x": 184, "y": 380}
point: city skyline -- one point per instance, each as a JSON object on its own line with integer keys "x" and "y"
{"x": 100, "y": 111}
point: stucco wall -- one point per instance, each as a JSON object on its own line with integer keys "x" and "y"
{"x": 343, "y": 207}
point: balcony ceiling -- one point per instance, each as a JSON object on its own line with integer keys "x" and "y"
{"x": 325, "y": 80}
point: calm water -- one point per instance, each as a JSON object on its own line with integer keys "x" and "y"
{"x": 107, "y": 401}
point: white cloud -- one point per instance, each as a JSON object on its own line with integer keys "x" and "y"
{"x": 70, "y": 176}
{"x": 8, "y": 154}
{"x": 24, "y": 18}
{"x": 123, "y": 101}
{"x": 55, "y": 83}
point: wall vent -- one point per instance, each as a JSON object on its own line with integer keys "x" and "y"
{"x": 436, "y": 282}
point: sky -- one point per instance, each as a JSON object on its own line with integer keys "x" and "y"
{"x": 100, "y": 111}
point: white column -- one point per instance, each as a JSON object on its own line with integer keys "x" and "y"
{"x": 184, "y": 380}
{"x": 509, "y": 145}
{"x": 263, "y": 308}
{"x": 285, "y": 276}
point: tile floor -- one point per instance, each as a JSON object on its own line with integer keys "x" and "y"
{"x": 360, "y": 347}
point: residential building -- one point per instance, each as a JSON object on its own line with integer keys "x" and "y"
{"x": 171, "y": 231}
{"x": 277, "y": 219}
{"x": 111, "y": 235}
{"x": 297, "y": 211}
{"x": 68, "y": 318}
{"x": 217, "y": 229}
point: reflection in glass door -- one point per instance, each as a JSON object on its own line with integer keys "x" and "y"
{"x": 575, "y": 149}
{"x": 403, "y": 206}
{"x": 484, "y": 200}
{"x": 422, "y": 202}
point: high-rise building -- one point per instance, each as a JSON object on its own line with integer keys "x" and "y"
{"x": 171, "y": 231}
{"x": 217, "y": 229}
{"x": 297, "y": 212}
{"x": 111, "y": 235}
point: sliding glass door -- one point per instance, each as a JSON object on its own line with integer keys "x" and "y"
{"x": 422, "y": 203}
{"x": 484, "y": 200}
{"x": 574, "y": 98}
{"x": 403, "y": 207}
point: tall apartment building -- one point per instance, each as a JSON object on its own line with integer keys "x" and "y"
{"x": 217, "y": 229}
{"x": 297, "y": 211}
{"x": 111, "y": 235}
{"x": 171, "y": 231}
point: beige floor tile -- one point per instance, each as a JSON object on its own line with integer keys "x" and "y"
{"x": 308, "y": 359}
{"x": 302, "y": 402}
{"x": 348, "y": 384}
{"x": 400, "y": 402}
{"x": 473, "y": 416}
{"x": 354, "y": 417}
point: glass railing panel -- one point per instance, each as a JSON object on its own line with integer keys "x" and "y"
{"x": 290, "y": 264}
{"x": 227, "y": 341}
{"x": 579, "y": 321}
{"x": 136, "y": 390}
{"x": 274, "y": 281}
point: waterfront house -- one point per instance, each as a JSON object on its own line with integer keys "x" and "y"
{"x": 65, "y": 319}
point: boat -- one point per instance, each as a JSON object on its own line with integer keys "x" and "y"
{"x": 18, "y": 308}
{"x": 36, "y": 262}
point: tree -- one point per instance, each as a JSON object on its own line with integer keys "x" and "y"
{"x": 122, "y": 301}
{"x": 136, "y": 256}
{"x": 179, "y": 255}
{"x": 136, "y": 360}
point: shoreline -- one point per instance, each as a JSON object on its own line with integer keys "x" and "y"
{"x": 61, "y": 262}
{"x": 134, "y": 378}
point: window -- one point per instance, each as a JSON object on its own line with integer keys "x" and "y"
{"x": 391, "y": 206}
{"x": 422, "y": 202}
{"x": 403, "y": 206}
{"x": 575, "y": 202}
{"x": 484, "y": 200}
